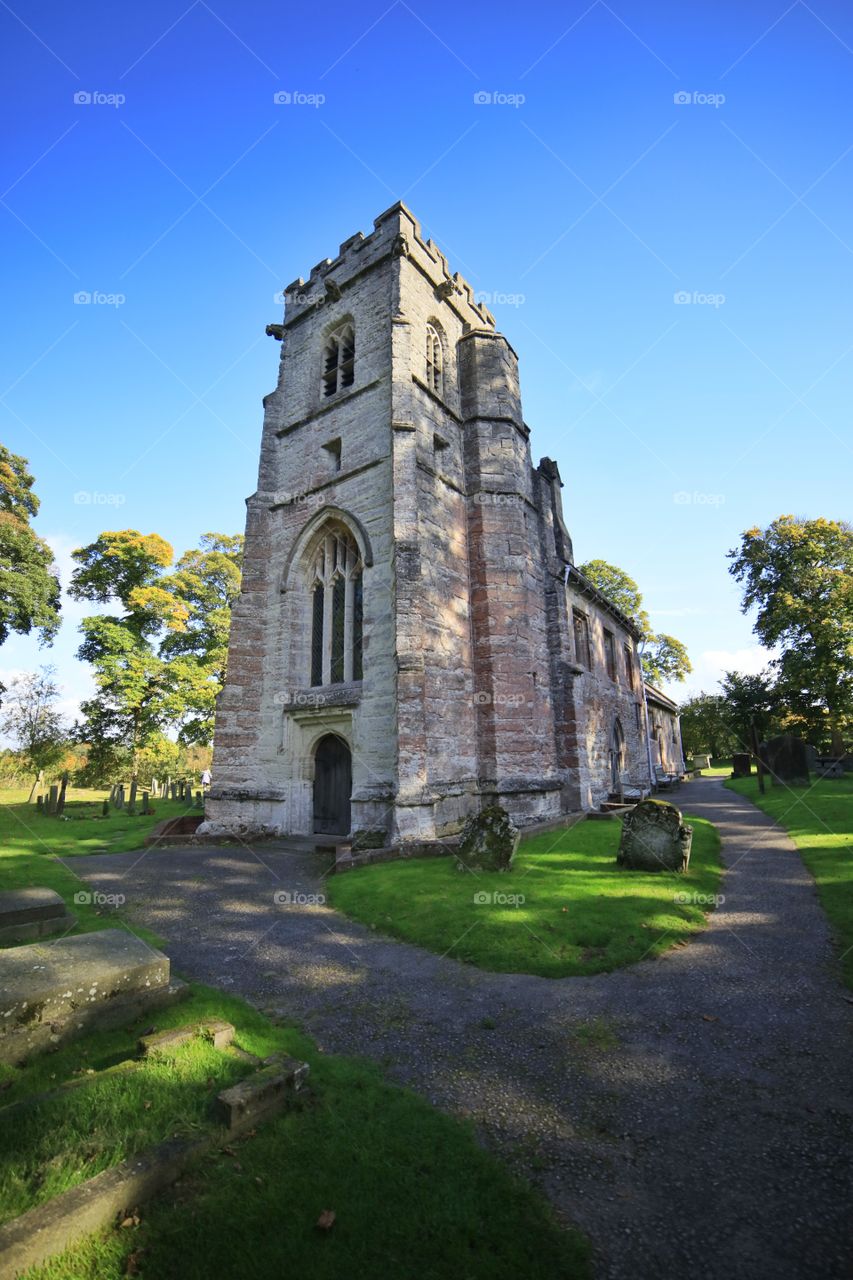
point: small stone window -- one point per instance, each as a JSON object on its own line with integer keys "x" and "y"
{"x": 339, "y": 360}
{"x": 434, "y": 369}
{"x": 610, "y": 653}
{"x": 336, "y": 608}
{"x": 333, "y": 450}
{"x": 583, "y": 652}
{"x": 630, "y": 672}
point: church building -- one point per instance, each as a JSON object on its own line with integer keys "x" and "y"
{"x": 413, "y": 640}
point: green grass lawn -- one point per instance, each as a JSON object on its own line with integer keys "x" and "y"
{"x": 819, "y": 819}
{"x": 414, "y": 1194}
{"x": 34, "y": 848}
{"x": 580, "y": 913}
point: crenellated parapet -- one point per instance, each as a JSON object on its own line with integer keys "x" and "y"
{"x": 396, "y": 234}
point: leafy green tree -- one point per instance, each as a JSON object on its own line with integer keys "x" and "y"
{"x": 34, "y": 723}
{"x": 664, "y": 658}
{"x": 750, "y": 700}
{"x": 122, "y": 568}
{"x": 798, "y": 576}
{"x": 204, "y": 586}
{"x": 704, "y": 727}
{"x": 29, "y": 586}
{"x": 620, "y": 589}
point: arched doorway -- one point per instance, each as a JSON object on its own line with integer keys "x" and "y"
{"x": 332, "y": 786}
{"x": 617, "y": 756}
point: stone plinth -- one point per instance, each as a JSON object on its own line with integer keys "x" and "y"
{"x": 51, "y": 993}
{"x": 27, "y": 914}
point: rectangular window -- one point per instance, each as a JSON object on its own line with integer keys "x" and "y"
{"x": 610, "y": 653}
{"x": 583, "y": 653}
{"x": 630, "y": 674}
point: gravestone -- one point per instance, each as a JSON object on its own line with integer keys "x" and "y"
{"x": 199, "y": 800}
{"x": 60, "y": 804}
{"x": 654, "y": 838}
{"x": 131, "y": 803}
{"x": 39, "y": 804}
{"x": 701, "y": 762}
{"x": 146, "y": 807}
{"x": 489, "y": 840}
{"x": 787, "y": 760}
{"x": 119, "y": 800}
{"x": 811, "y": 757}
{"x": 53, "y": 992}
{"x": 741, "y": 764}
{"x": 53, "y": 799}
{"x": 105, "y": 809}
{"x": 27, "y": 914}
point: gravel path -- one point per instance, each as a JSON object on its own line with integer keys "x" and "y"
{"x": 713, "y": 1140}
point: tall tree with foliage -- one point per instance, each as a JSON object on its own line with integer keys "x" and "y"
{"x": 29, "y": 586}
{"x": 705, "y": 727}
{"x": 203, "y": 587}
{"x": 33, "y": 721}
{"x": 750, "y": 700}
{"x": 122, "y": 568}
{"x": 798, "y": 575}
{"x": 664, "y": 658}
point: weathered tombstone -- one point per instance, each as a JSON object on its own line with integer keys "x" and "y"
{"x": 199, "y": 800}
{"x": 53, "y": 798}
{"x": 786, "y": 760}
{"x": 105, "y": 809}
{"x": 119, "y": 800}
{"x": 654, "y": 838}
{"x": 154, "y": 792}
{"x": 131, "y": 802}
{"x": 741, "y": 764}
{"x": 60, "y": 804}
{"x": 701, "y": 762}
{"x": 146, "y": 807}
{"x": 174, "y": 790}
{"x": 489, "y": 840}
{"x": 28, "y": 914}
{"x": 811, "y": 757}
{"x": 39, "y": 804}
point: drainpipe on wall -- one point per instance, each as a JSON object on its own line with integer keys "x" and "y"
{"x": 648, "y": 730}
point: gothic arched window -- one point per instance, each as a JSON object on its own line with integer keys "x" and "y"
{"x": 434, "y": 372}
{"x": 339, "y": 360}
{"x": 336, "y": 607}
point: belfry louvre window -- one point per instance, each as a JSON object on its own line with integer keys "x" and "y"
{"x": 630, "y": 676}
{"x": 434, "y": 372}
{"x": 336, "y": 608}
{"x": 580, "y": 626}
{"x": 339, "y": 360}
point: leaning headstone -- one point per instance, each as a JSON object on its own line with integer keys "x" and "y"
{"x": 654, "y": 838}
{"x": 60, "y": 804}
{"x": 27, "y": 914}
{"x": 741, "y": 764}
{"x": 489, "y": 840}
{"x": 54, "y": 992}
{"x": 53, "y": 799}
{"x": 131, "y": 803}
{"x": 787, "y": 761}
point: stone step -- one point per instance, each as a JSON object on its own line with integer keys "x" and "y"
{"x": 52, "y": 992}
{"x": 27, "y": 914}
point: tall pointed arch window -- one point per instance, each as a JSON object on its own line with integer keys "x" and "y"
{"x": 434, "y": 365}
{"x": 336, "y": 608}
{"x": 339, "y": 360}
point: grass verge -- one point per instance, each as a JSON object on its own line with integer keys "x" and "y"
{"x": 413, "y": 1193}
{"x": 819, "y": 819}
{"x": 565, "y": 908}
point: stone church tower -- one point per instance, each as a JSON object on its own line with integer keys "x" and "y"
{"x": 412, "y": 640}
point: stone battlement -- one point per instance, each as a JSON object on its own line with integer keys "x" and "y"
{"x": 397, "y": 232}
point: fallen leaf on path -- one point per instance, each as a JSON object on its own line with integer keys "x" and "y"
{"x": 326, "y": 1220}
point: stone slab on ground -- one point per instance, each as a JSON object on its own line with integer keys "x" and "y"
{"x": 253, "y": 1097}
{"x": 28, "y": 914}
{"x": 52, "y": 992}
{"x": 216, "y": 1030}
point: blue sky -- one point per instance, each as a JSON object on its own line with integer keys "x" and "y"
{"x": 583, "y": 198}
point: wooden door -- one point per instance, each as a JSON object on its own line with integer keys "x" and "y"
{"x": 332, "y": 786}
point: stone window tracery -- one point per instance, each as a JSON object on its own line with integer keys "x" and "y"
{"x": 336, "y": 608}
{"x": 434, "y": 364}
